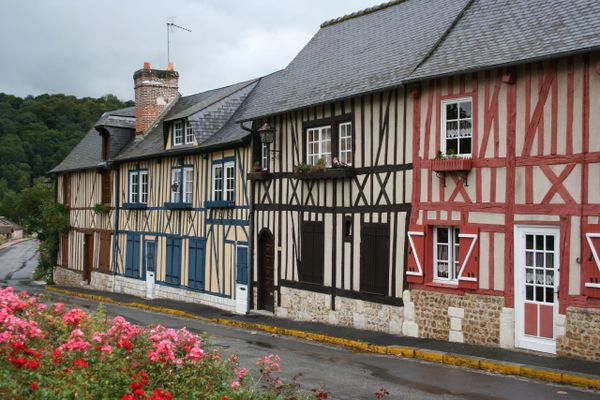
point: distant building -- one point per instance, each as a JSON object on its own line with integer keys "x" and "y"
{"x": 9, "y": 230}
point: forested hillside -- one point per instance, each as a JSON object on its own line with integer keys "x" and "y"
{"x": 36, "y": 133}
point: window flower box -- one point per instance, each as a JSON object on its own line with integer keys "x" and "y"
{"x": 450, "y": 164}
{"x": 329, "y": 173}
{"x": 259, "y": 176}
{"x": 178, "y": 206}
{"x": 219, "y": 204}
{"x": 134, "y": 206}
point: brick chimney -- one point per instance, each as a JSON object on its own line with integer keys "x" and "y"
{"x": 154, "y": 90}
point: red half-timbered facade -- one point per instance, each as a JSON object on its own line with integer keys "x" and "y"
{"x": 523, "y": 204}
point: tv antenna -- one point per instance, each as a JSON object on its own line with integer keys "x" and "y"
{"x": 170, "y": 27}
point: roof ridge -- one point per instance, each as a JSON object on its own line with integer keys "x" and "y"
{"x": 360, "y": 13}
{"x": 442, "y": 37}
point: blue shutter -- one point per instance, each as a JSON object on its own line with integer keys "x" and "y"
{"x": 196, "y": 263}
{"x": 132, "y": 257}
{"x": 173, "y": 272}
{"x": 242, "y": 265}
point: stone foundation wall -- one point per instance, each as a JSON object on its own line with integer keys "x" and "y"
{"x": 134, "y": 287}
{"x": 67, "y": 277}
{"x": 582, "y": 334}
{"x": 101, "y": 281}
{"x": 470, "y": 318}
{"x": 190, "y": 296}
{"x": 304, "y": 305}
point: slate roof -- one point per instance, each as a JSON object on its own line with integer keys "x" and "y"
{"x": 500, "y": 32}
{"x": 120, "y": 124}
{"x": 210, "y": 114}
{"x": 6, "y": 223}
{"x": 369, "y": 52}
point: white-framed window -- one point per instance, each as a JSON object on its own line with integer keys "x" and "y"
{"x": 144, "y": 187}
{"x": 134, "y": 186}
{"x": 177, "y": 133}
{"x": 318, "y": 145}
{"x": 182, "y": 184}
{"x": 446, "y": 253}
{"x": 189, "y": 134}
{"x": 345, "y": 142}
{"x": 230, "y": 181}
{"x": 138, "y": 186}
{"x": 457, "y": 123}
{"x": 217, "y": 186}
{"x": 188, "y": 184}
{"x": 264, "y": 157}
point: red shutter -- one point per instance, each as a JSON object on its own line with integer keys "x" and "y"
{"x": 468, "y": 273}
{"x": 416, "y": 254}
{"x": 591, "y": 260}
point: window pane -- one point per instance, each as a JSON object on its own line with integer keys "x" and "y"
{"x": 452, "y": 146}
{"x": 465, "y": 128}
{"x": 529, "y": 292}
{"x": 539, "y": 293}
{"x": 175, "y": 185}
{"x": 549, "y": 295}
{"x": 442, "y": 235}
{"x": 550, "y": 242}
{"x": 529, "y": 241}
{"x": 465, "y": 146}
{"x": 188, "y": 185}
{"x": 550, "y": 260}
{"x": 529, "y": 275}
{"x": 442, "y": 252}
{"x": 465, "y": 109}
{"x": 442, "y": 268}
{"x": 144, "y": 188}
{"x": 452, "y": 129}
{"x": 539, "y": 242}
{"x": 539, "y": 260}
{"x": 529, "y": 258}
{"x": 451, "y": 111}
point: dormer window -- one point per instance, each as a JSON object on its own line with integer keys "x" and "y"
{"x": 182, "y": 133}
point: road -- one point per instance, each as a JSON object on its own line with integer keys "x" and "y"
{"x": 17, "y": 263}
{"x": 344, "y": 374}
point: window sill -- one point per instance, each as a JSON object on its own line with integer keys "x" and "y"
{"x": 450, "y": 164}
{"x": 178, "y": 206}
{"x": 134, "y": 206}
{"x": 258, "y": 176}
{"x": 445, "y": 284}
{"x": 329, "y": 173}
{"x": 219, "y": 204}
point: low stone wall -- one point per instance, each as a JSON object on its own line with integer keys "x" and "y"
{"x": 305, "y": 305}
{"x": 190, "y": 296}
{"x": 68, "y": 277}
{"x": 102, "y": 281}
{"x": 134, "y": 287}
{"x": 582, "y": 334}
{"x": 470, "y": 318}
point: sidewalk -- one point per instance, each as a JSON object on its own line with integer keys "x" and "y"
{"x": 548, "y": 368}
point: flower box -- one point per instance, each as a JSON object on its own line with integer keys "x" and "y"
{"x": 450, "y": 164}
{"x": 258, "y": 176}
{"x": 330, "y": 173}
{"x": 219, "y": 204}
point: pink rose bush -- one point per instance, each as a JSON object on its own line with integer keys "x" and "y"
{"x": 50, "y": 352}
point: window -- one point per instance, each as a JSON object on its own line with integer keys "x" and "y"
{"x": 457, "y": 127}
{"x": 264, "y": 157}
{"x": 224, "y": 181}
{"x": 312, "y": 252}
{"x": 182, "y": 133}
{"x": 446, "y": 253}
{"x": 318, "y": 145}
{"x": 189, "y": 134}
{"x": 345, "y": 138}
{"x": 177, "y": 133}
{"x": 182, "y": 184}
{"x": 138, "y": 186}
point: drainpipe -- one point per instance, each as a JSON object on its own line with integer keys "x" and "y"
{"x": 251, "y": 224}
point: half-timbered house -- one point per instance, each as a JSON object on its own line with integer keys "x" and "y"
{"x": 177, "y": 210}
{"x": 506, "y": 197}
{"x": 332, "y": 203}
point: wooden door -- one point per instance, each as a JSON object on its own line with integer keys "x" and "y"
{"x": 88, "y": 258}
{"x": 375, "y": 258}
{"x": 536, "y": 287}
{"x": 266, "y": 272}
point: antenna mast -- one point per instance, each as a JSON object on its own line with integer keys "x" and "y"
{"x": 170, "y": 27}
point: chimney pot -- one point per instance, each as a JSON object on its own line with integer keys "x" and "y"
{"x": 146, "y": 65}
{"x": 171, "y": 67}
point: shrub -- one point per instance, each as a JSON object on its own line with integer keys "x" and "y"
{"x": 49, "y": 352}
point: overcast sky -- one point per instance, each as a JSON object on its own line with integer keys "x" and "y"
{"x": 92, "y": 48}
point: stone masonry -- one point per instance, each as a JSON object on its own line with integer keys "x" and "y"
{"x": 311, "y": 306}
{"x": 470, "y": 318}
{"x": 582, "y": 334}
{"x": 154, "y": 90}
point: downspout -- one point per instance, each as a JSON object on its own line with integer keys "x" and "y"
{"x": 251, "y": 224}
{"x": 117, "y": 170}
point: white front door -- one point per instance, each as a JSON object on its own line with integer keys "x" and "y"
{"x": 536, "y": 287}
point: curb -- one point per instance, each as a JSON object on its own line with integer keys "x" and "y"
{"x": 477, "y": 363}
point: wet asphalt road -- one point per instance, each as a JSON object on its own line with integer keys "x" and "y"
{"x": 17, "y": 263}
{"x": 343, "y": 373}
